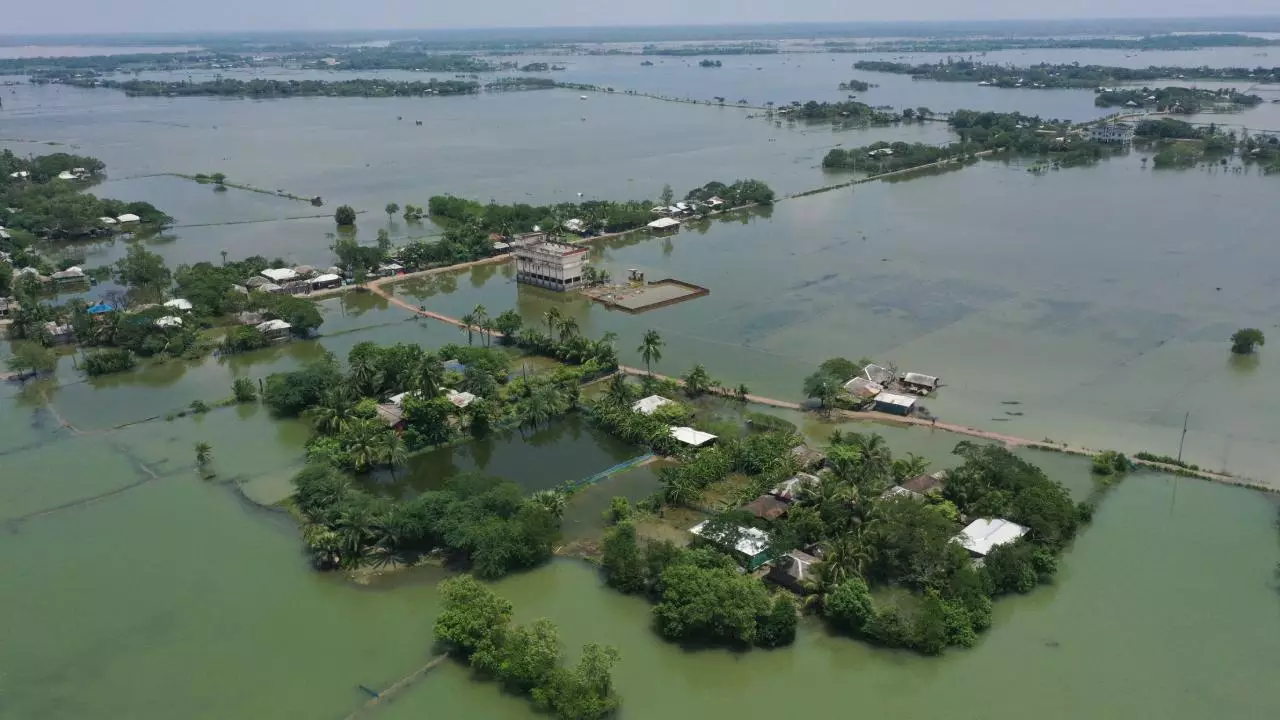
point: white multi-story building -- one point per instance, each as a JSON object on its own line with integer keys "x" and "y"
{"x": 1113, "y": 133}
{"x": 548, "y": 263}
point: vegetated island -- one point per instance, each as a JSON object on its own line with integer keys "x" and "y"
{"x": 1047, "y": 75}
{"x": 1179, "y": 144}
{"x": 45, "y": 197}
{"x": 696, "y": 50}
{"x": 1176, "y": 100}
{"x": 264, "y": 88}
{"x": 1193, "y": 41}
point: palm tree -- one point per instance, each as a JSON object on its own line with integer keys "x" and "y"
{"x": 553, "y": 501}
{"x": 468, "y": 325}
{"x": 742, "y": 393}
{"x": 650, "y": 349}
{"x": 364, "y": 442}
{"x": 908, "y": 467}
{"x": 479, "y": 315}
{"x": 618, "y": 392}
{"x": 333, "y": 414}
{"x": 367, "y": 375}
{"x": 392, "y": 452}
{"x": 487, "y": 328}
{"x": 568, "y": 329}
{"x": 355, "y": 530}
{"x": 553, "y": 317}
{"x": 430, "y": 376}
{"x": 204, "y": 453}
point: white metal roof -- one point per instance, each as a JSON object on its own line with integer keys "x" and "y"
{"x": 269, "y": 287}
{"x": 71, "y": 272}
{"x": 279, "y": 275}
{"x": 128, "y": 217}
{"x": 889, "y": 398}
{"x": 273, "y": 326}
{"x": 863, "y": 387}
{"x": 107, "y": 220}
{"x": 178, "y": 304}
{"x": 983, "y": 535}
{"x": 460, "y": 399}
{"x": 689, "y": 436}
{"x": 751, "y": 541}
{"x": 920, "y": 379}
{"x": 790, "y": 489}
{"x": 327, "y": 277}
{"x": 878, "y": 374}
{"x": 169, "y": 321}
{"x": 647, "y": 405}
{"x": 665, "y": 222}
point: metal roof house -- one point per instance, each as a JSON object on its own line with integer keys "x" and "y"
{"x": 983, "y": 535}
{"x": 169, "y": 321}
{"x": 72, "y": 274}
{"x": 920, "y": 383}
{"x": 459, "y": 399}
{"x": 178, "y": 304}
{"x": 751, "y": 544}
{"x": 793, "y": 570}
{"x": 279, "y": 275}
{"x": 691, "y": 437}
{"x": 327, "y": 280}
{"x": 789, "y": 489}
{"x": 862, "y": 388}
{"x": 647, "y": 406}
{"x": 129, "y": 218}
{"x": 664, "y": 224}
{"x": 275, "y": 329}
{"x": 767, "y": 507}
{"x": 877, "y": 374}
{"x": 895, "y": 404}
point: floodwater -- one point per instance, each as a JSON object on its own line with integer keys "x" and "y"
{"x": 1098, "y": 300}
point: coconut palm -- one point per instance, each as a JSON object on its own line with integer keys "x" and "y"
{"x": 392, "y": 452}
{"x": 650, "y": 349}
{"x": 356, "y": 531}
{"x": 204, "y": 453}
{"x": 553, "y": 501}
{"x": 366, "y": 375}
{"x": 480, "y": 318}
{"x": 468, "y": 325}
{"x": 568, "y": 329}
{"x": 430, "y": 376}
{"x": 618, "y": 392}
{"x": 333, "y": 414}
{"x": 908, "y": 467}
{"x": 364, "y": 443}
{"x": 553, "y": 317}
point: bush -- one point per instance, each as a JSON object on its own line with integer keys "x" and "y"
{"x": 243, "y": 339}
{"x": 850, "y": 608}
{"x": 778, "y": 628}
{"x": 619, "y": 510}
{"x": 243, "y": 390}
{"x": 345, "y": 215}
{"x": 105, "y": 362}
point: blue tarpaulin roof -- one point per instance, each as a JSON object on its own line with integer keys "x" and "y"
{"x": 100, "y": 308}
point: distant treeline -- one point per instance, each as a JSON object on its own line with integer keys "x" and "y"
{"x": 964, "y": 45}
{"x": 260, "y": 88}
{"x": 393, "y": 58}
{"x": 1046, "y": 75}
{"x": 94, "y": 64}
{"x": 696, "y": 50}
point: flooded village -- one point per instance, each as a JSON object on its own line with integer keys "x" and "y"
{"x": 794, "y": 424}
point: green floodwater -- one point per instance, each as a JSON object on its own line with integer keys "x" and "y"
{"x": 1099, "y": 299}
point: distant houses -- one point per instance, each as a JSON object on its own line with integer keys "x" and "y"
{"x": 1115, "y": 133}
{"x": 647, "y": 406}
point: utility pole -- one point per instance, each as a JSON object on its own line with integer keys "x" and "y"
{"x": 1184, "y": 434}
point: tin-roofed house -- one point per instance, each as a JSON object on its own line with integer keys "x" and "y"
{"x": 877, "y": 374}
{"x": 895, "y": 404}
{"x": 983, "y": 535}
{"x": 918, "y": 383}
{"x": 647, "y": 406}
{"x": 275, "y": 330}
{"x": 750, "y": 545}
{"x": 71, "y": 276}
{"x": 863, "y": 389}
{"x": 767, "y": 507}
{"x": 794, "y": 571}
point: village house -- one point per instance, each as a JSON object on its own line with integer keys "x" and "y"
{"x": 919, "y": 486}
{"x": 878, "y": 375}
{"x": 326, "y": 281}
{"x": 59, "y": 333}
{"x": 548, "y": 263}
{"x": 793, "y": 570}
{"x": 178, "y": 304}
{"x": 862, "y": 388}
{"x": 750, "y": 545}
{"x": 789, "y": 490}
{"x": 275, "y": 330}
{"x": 169, "y": 321}
{"x": 665, "y": 224}
{"x": 807, "y": 458}
{"x": 1117, "y": 133}
{"x": 129, "y": 218}
{"x": 279, "y": 275}
{"x": 767, "y": 507}
{"x": 647, "y": 406}
{"x": 70, "y": 276}
{"x": 918, "y": 383}
{"x": 460, "y": 400}
{"x": 895, "y": 404}
{"x": 983, "y": 535}
{"x": 390, "y": 269}
{"x": 691, "y": 437}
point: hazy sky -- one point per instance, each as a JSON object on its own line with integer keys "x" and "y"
{"x": 111, "y": 16}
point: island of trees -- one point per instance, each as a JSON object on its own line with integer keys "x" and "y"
{"x": 475, "y": 627}
{"x": 1190, "y": 41}
{"x": 985, "y": 132}
{"x": 888, "y": 569}
{"x": 855, "y": 86}
{"x": 1177, "y": 100}
{"x": 266, "y": 88}
{"x": 44, "y": 197}
{"x": 1047, "y": 75}
{"x": 695, "y": 50}
{"x": 1179, "y": 144}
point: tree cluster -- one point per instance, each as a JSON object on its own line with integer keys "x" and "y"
{"x": 485, "y": 524}
{"x": 268, "y": 88}
{"x": 738, "y": 194}
{"x": 475, "y": 626}
{"x": 1064, "y": 75}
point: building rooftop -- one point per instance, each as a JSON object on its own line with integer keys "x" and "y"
{"x": 751, "y": 541}
{"x": 279, "y": 275}
{"x": 922, "y": 380}
{"x": 460, "y": 399}
{"x": 861, "y": 387}
{"x": 327, "y": 277}
{"x": 273, "y": 326}
{"x": 128, "y": 217}
{"x": 903, "y": 401}
{"x": 767, "y": 507}
{"x": 878, "y": 374}
{"x": 983, "y": 535}
{"x": 646, "y": 406}
{"x": 178, "y": 304}
{"x": 663, "y": 223}
{"x": 169, "y": 321}
{"x": 790, "y": 488}
{"x": 689, "y": 436}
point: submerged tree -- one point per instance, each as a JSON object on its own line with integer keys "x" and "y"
{"x": 1245, "y": 340}
{"x": 392, "y": 209}
{"x": 345, "y": 215}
